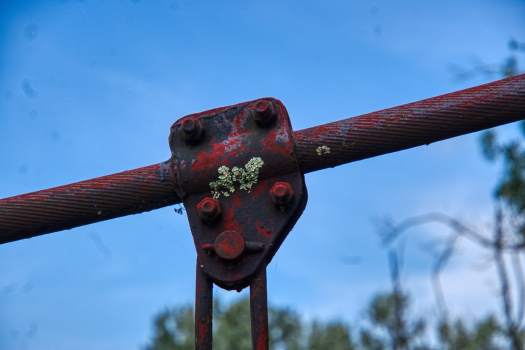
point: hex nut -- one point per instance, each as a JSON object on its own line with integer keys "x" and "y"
{"x": 264, "y": 113}
{"x": 209, "y": 210}
{"x": 191, "y": 130}
{"x": 281, "y": 194}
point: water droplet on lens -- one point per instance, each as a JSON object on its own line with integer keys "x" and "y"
{"x": 28, "y": 287}
{"x": 31, "y": 31}
{"x": 8, "y": 95}
{"x": 55, "y": 135}
{"x": 378, "y": 29}
{"x": 33, "y": 114}
{"x": 7, "y": 289}
{"x": 33, "y": 328}
{"x": 28, "y": 89}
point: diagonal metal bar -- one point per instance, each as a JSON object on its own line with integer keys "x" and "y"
{"x": 413, "y": 124}
{"x": 349, "y": 140}
{"x": 86, "y": 202}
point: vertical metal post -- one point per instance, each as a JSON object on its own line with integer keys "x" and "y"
{"x": 203, "y": 311}
{"x": 259, "y": 310}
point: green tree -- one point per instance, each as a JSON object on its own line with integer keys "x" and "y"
{"x": 232, "y": 328}
{"x": 483, "y": 336}
{"x": 332, "y": 336}
{"x": 285, "y": 329}
{"x": 174, "y": 330}
{"x": 390, "y": 323}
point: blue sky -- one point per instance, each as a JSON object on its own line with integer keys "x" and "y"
{"x": 89, "y": 88}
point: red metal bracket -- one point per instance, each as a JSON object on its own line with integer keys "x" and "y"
{"x": 236, "y": 170}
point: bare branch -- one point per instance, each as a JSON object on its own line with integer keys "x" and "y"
{"x": 392, "y": 232}
{"x": 520, "y": 281}
{"x": 512, "y": 328}
{"x": 438, "y": 266}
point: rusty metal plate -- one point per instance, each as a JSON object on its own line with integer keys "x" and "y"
{"x": 236, "y": 171}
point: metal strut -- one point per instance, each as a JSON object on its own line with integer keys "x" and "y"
{"x": 204, "y": 311}
{"x": 235, "y": 168}
{"x": 349, "y": 140}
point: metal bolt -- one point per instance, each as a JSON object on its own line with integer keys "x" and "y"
{"x": 191, "y": 130}
{"x": 209, "y": 210}
{"x": 281, "y": 194}
{"x": 229, "y": 245}
{"x": 264, "y": 113}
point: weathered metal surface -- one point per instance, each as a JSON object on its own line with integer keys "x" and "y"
{"x": 259, "y": 311}
{"x": 203, "y": 310}
{"x": 242, "y": 154}
{"x": 349, "y": 140}
{"x": 235, "y": 170}
{"x": 412, "y": 125}
{"x": 86, "y": 202}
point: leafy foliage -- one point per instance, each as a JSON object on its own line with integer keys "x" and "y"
{"x": 174, "y": 330}
{"x": 484, "y": 335}
{"x": 511, "y": 188}
{"x": 390, "y": 324}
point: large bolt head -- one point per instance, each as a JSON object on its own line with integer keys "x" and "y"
{"x": 229, "y": 245}
{"x": 264, "y": 113}
{"x": 209, "y": 210}
{"x": 281, "y": 194}
{"x": 191, "y": 130}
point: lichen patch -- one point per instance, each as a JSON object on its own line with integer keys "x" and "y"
{"x": 246, "y": 177}
{"x": 323, "y": 150}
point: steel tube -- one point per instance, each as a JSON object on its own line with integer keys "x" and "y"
{"x": 86, "y": 202}
{"x": 203, "y": 311}
{"x": 349, "y": 140}
{"x": 259, "y": 310}
{"x": 412, "y": 125}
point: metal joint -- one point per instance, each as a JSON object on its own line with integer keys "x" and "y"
{"x": 243, "y": 192}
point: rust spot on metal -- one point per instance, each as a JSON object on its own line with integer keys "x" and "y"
{"x": 229, "y": 245}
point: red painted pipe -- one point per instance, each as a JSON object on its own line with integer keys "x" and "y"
{"x": 413, "y": 124}
{"x": 352, "y": 139}
{"x": 86, "y": 202}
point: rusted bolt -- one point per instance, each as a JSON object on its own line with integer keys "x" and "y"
{"x": 264, "y": 113}
{"x": 281, "y": 194}
{"x": 191, "y": 130}
{"x": 229, "y": 245}
{"x": 209, "y": 210}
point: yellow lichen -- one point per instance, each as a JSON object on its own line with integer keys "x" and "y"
{"x": 246, "y": 177}
{"x": 323, "y": 150}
